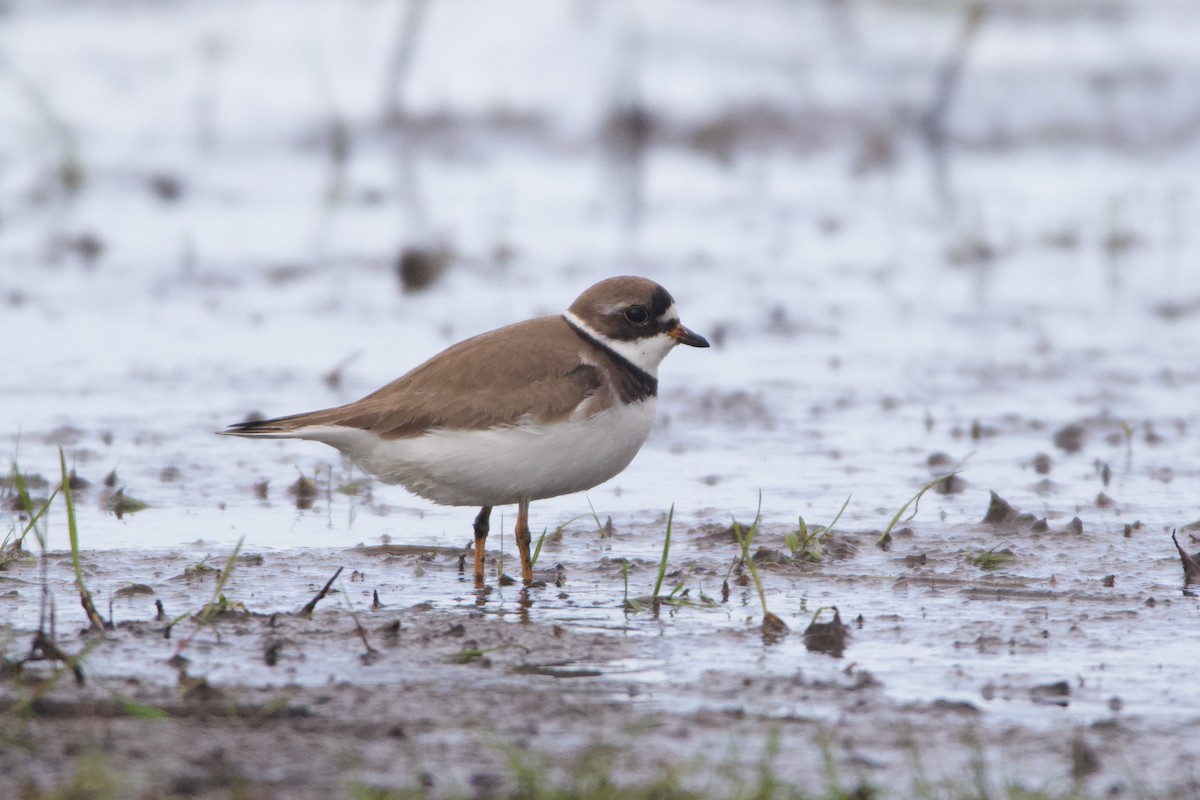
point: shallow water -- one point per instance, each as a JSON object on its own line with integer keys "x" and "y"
{"x": 865, "y": 315}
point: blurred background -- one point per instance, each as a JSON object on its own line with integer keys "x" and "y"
{"x": 909, "y": 226}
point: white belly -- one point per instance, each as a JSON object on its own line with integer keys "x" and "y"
{"x": 502, "y": 465}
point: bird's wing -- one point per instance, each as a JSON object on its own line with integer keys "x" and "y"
{"x": 529, "y": 372}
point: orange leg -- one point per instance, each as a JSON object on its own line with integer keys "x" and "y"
{"x": 481, "y": 532}
{"x": 523, "y": 539}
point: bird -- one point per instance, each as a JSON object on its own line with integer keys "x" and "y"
{"x": 537, "y": 409}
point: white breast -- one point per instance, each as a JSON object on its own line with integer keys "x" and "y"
{"x": 501, "y": 465}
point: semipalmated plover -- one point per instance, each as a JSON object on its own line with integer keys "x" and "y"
{"x": 533, "y": 410}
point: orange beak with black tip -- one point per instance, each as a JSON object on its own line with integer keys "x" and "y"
{"x": 684, "y": 336}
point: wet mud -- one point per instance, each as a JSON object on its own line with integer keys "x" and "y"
{"x": 316, "y": 673}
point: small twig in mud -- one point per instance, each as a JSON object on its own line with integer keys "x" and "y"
{"x": 333, "y": 378}
{"x": 46, "y": 649}
{"x": 1127, "y": 430}
{"x": 71, "y": 174}
{"x": 400, "y": 62}
{"x": 371, "y": 654}
{"x": 311, "y": 604}
{"x": 933, "y": 120}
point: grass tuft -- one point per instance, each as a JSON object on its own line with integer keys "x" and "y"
{"x": 807, "y": 543}
{"x": 14, "y": 543}
{"x": 993, "y": 559}
{"x": 677, "y": 597}
{"x": 217, "y": 604}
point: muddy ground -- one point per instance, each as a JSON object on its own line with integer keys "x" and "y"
{"x": 406, "y": 677}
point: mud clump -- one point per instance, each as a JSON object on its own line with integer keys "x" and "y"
{"x": 166, "y": 187}
{"x": 1006, "y": 519}
{"x": 134, "y": 590}
{"x": 1070, "y": 438}
{"x": 418, "y": 268}
{"x": 718, "y": 533}
{"x": 1054, "y": 694}
{"x": 735, "y": 408}
{"x": 1042, "y": 464}
{"x": 1191, "y": 563}
{"x": 1001, "y": 514}
{"x": 86, "y": 246}
{"x": 939, "y": 461}
{"x": 305, "y": 491}
{"x": 77, "y": 483}
{"x": 774, "y": 628}
{"x": 951, "y": 484}
{"x": 829, "y": 638}
{"x": 120, "y": 504}
{"x": 1074, "y": 527}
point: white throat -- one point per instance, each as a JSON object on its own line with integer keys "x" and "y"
{"x": 645, "y": 354}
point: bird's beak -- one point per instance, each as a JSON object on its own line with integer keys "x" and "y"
{"x": 683, "y": 336}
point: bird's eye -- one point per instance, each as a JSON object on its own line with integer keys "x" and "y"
{"x": 637, "y": 315}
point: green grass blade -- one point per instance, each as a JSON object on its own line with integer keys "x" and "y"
{"x": 744, "y": 539}
{"x": 72, "y": 524}
{"x": 595, "y": 517}
{"x": 138, "y": 710}
{"x": 662, "y": 565}
{"x": 546, "y": 532}
{"x": 26, "y": 502}
{"x": 829, "y": 527}
{"x": 34, "y": 518}
{"x": 537, "y": 551}
{"x": 916, "y": 498}
{"x": 85, "y": 597}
